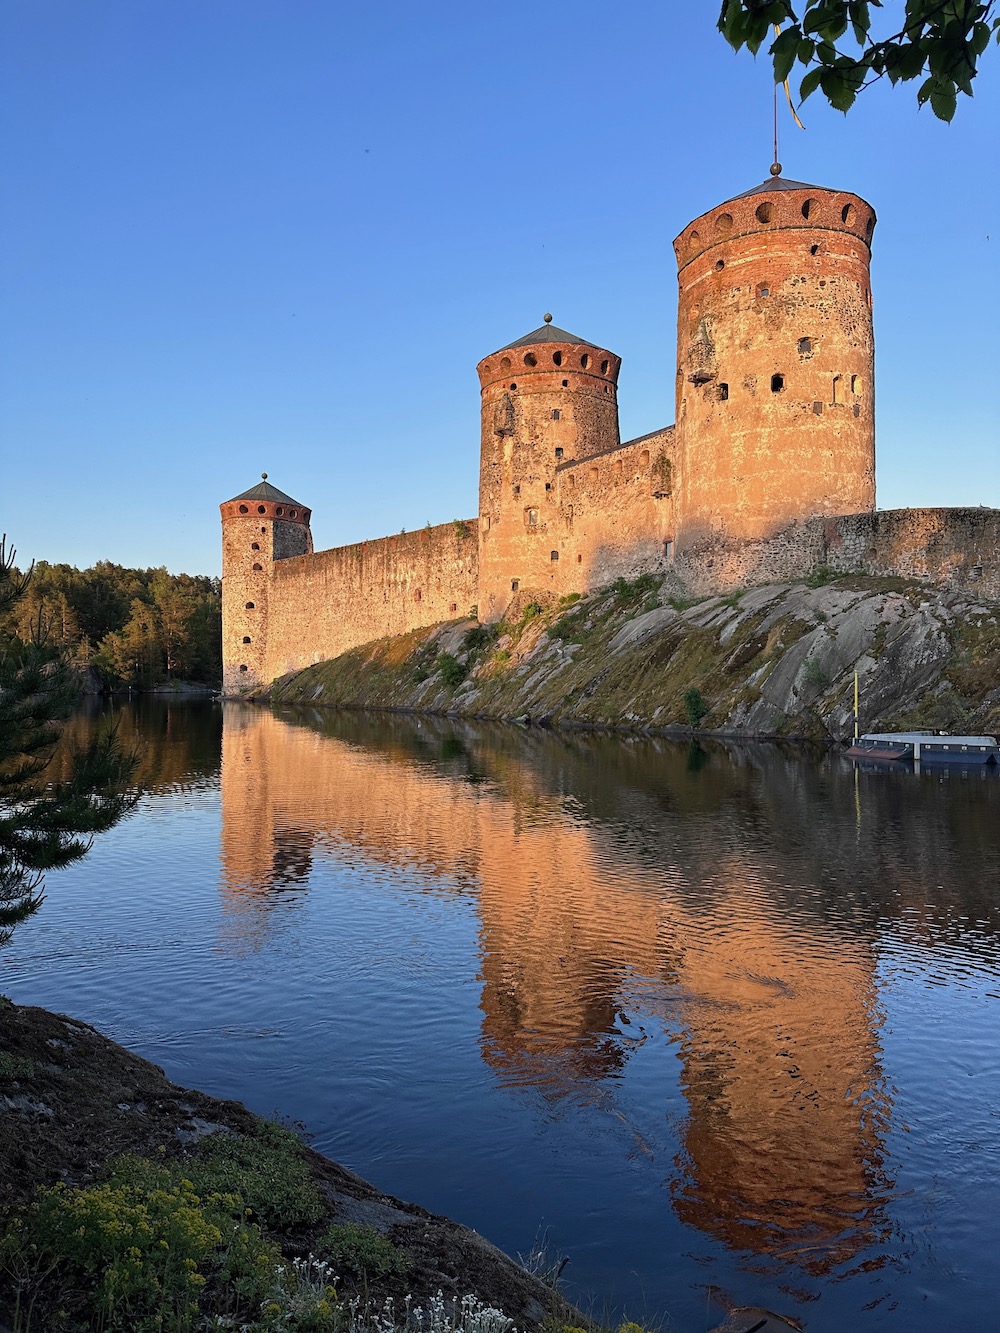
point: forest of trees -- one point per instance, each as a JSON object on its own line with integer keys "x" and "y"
{"x": 135, "y": 627}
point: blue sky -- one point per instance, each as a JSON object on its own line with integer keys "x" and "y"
{"x": 277, "y": 236}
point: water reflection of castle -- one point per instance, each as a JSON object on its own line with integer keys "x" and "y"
{"x": 654, "y": 911}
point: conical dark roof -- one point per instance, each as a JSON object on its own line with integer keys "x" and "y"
{"x": 265, "y": 491}
{"x": 548, "y": 333}
{"x": 776, "y": 185}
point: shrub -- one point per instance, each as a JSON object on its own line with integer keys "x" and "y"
{"x": 531, "y": 612}
{"x": 631, "y": 590}
{"x": 816, "y": 674}
{"x": 361, "y": 1251}
{"x": 478, "y": 637}
{"x": 451, "y": 670}
{"x": 821, "y": 576}
{"x": 571, "y": 627}
{"x": 695, "y": 706}
{"x": 267, "y": 1171}
{"x": 14, "y": 1067}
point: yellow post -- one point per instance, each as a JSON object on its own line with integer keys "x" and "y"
{"x": 855, "y": 705}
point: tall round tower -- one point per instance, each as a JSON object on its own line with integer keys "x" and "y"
{"x": 258, "y": 527}
{"x": 546, "y": 398}
{"x": 775, "y": 361}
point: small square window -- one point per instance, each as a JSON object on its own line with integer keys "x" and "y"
{"x": 559, "y": 453}
{"x": 514, "y": 585}
{"x": 556, "y": 414}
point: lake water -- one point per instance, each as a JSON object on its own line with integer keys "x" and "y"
{"x": 720, "y": 1018}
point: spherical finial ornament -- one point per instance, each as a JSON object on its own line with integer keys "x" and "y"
{"x": 263, "y": 476}
{"x": 775, "y": 168}
{"x": 547, "y": 318}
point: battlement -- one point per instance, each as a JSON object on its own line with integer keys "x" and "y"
{"x": 777, "y": 205}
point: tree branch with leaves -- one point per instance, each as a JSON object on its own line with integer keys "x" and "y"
{"x": 46, "y": 824}
{"x": 940, "y": 42}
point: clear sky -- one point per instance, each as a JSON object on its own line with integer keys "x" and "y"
{"x": 277, "y": 235}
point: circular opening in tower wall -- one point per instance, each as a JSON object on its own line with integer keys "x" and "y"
{"x": 244, "y": 509}
{"x": 557, "y": 358}
{"x": 720, "y": 264}
{"x": 724, "y": 223}
{"x": 585, "y": 361}
{"x": 293, "y": 513}
{"x": 809, "y": 208}
{"x": 246, "y": 638}
{"x": 279, "y": 511}
{"x": 243, "y": 666}
{"x": 530, "y": 359}
{"x": 505, "y": 363}
{"x": 847, "y": 213}
{"x": 763, "y": 213}
{"x": 262, "y": 509}
{"x": 255, "y": 546}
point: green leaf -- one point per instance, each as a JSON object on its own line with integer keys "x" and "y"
{"x": 980, "y": 38}
{"x": 784, "y": 49}
{"x": 944, "y": 101}
{"x": 809, "y": 84}
{"x": 807, "y": 49}
{"x": 837, "y": 89}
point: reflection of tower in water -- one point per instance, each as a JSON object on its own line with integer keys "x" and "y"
{"x": 588, "y": 925}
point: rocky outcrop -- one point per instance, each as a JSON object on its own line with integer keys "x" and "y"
{"x": 778, "y": 660}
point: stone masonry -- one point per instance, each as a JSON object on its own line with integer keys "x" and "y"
{"x": 768, "y": 474}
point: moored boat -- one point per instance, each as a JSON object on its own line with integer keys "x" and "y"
{"x": 926, "y": 747}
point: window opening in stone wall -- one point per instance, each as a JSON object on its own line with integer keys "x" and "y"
{"x": 243, "y": 666}
{"x": 836, "y": 389}
{"x": 585, "y": 360}
{"x": 517, "y": 490}
{"x": 556, "y": 413}
{"x": 805, "y": 346}
{"x": 249, "y": 606}
{"x": 530, "y": 359}
{"x": 847, "y": 213}
{"x": 452, "y": 606}
{"x": 548, "y": 485}
{"x": 856, "y": 384}
{"x": 857, "y": 409}
{"x": 763, "y": 291}
{"x": 976, "y": 572}
{"x": 814, "y": 249}
{"x": 244, "y": 509}
{"x": 720, "y": 264}
{"x": 579, "y": 559}
{"x": 257, "y": 565}
{"x": 559, "y": 453}
{"x": 557, "y": 358}
{"x": 763, "y": 213}
{"x": 246, "y": 638}
{"x": 513, "y": 386}
{"x": 514, "y": 585}
{"x": 723, "y": 393}
{"x": 777, "y": 383}
{"x": 279, "y": 511}
{"x": 644, "y": 458}
{"x": 604, "y": 367}
{"x": 417, "y": 595}
{"x": 531, "y": 517}
{"x": 565, "y": 384}
{"x": 818, "y": 409}
{"x": 808, "y": 208}
{"x": 486, "y": 522}
{"x": 263, "y": 529}
{"x": 724, "y": 223}
{"x": 262, "y": 509}
{"x": 553, "y": 555}
{"x": 668, "y": 548}
{"x": 255, "y": 546}
{"x": 505, "y": 363}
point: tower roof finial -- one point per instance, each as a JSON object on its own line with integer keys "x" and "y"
{"x": 547, "y": 318}
{"x": 776, "y": 168}
{"x": 263, "y": 476}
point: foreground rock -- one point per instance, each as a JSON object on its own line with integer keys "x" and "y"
{"x": 771, "y": 661}
{"x": 71, "y": 1100}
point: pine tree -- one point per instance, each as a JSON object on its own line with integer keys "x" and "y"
{"x": 43, "y": 824}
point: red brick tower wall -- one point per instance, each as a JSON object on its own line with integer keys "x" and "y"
{"x": 542, "y": 403}
{"x": 775, "y": 363}
{"x": 255, "y": 533}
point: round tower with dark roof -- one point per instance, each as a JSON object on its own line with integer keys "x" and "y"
{"x": 547, "y": 398}
{"x": 775, "y": 362}
{"x": 258, "y": 527}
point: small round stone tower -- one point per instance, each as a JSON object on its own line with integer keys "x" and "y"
{"x": 546, "y": 398}
{"x": 775, "y": 361}
{"x": 258, "y": 527}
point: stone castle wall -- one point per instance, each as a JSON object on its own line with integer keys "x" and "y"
{"x": 320, "y": 605}
{"x": 957, "y": 548}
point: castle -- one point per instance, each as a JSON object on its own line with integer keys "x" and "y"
{"x": 768, "y": 473}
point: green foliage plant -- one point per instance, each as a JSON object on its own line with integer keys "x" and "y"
{"x": 477, "y": 638}
{"x": 267, "y": 1171}
{"x": 821, "y": 576}
{"x": 44, "y": 824}
{"x": 633, "y": 590}
{"x": 451, "y": 670}
{"x": 361, "y": 1252}
{"x": 939, "y": 42}
{"x": 13, "y": 1067}
{"x": 695, "y": 706}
